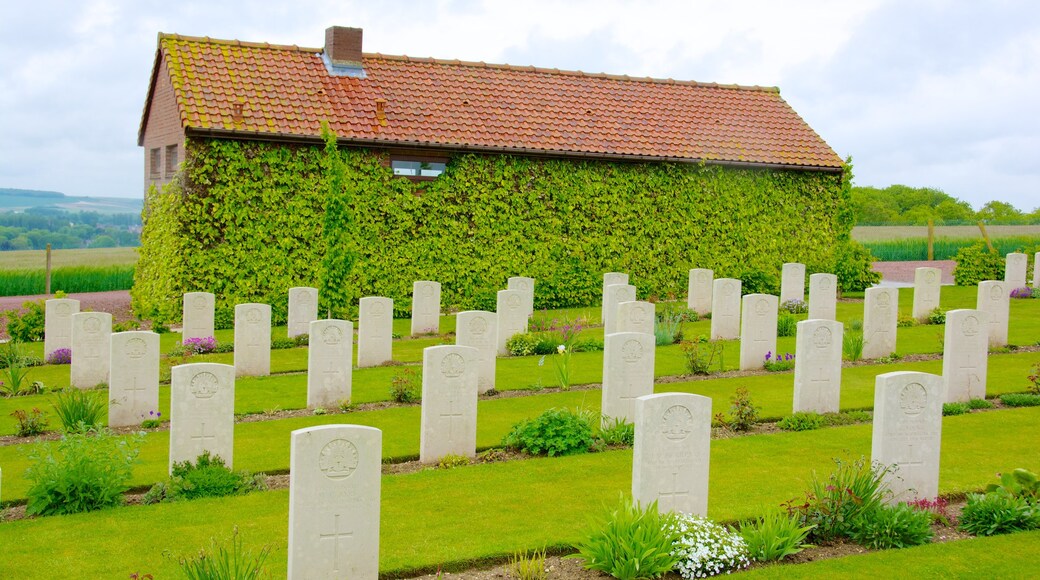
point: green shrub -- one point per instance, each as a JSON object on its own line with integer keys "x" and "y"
{"x": 29, "y": 422}
{"x": 81, "y": 472}
{"x": 782, "y": 362}
{"x": 775, "y": 536}
{"x": 406, "y": 386}
{"x": 587, "y": 345}
{"x": 80, "y": 411}
{"x": 208, "y": 476}
{"x": 706, "y": 548}
{"x": 801, "y": 421}
{"x": 832, "y": 505}
{"x": 979, "y": 404}
{"x": 522, "y": 344}
{"x": 756, "y": 281}
{"x": 936, "y": 316}
{"x": 852, "y": 341}
{"x": 700, "y": 354}
{"x": 225, "y": 563}
{"x": 997, "y": 513}
{"x": 617, "y": 432}
{"x": 854, "y": 267}
{"x": 906, "y": 321}
{"x": 554, "y": 432}
{"x": 786, "y": 324}
{"x": 955, "y": 408}
{"x": 794, "y": 306}
{"x": 1020, "y": 400}
{"x": 975, "y": 263}
{"x": 743, "y": 412}
{"x": 667, "y": 329}
{"x": 16, "y": 371}
{"x": 280, "y": 343}
{"x": 846, "y": 418}
{"x": 899, "y": 526}
{"x": 1019, "y": 483}
{"x": 27, "y": 327}
{"x": 631, "y": 543}
{"x": 1034, "y": 379}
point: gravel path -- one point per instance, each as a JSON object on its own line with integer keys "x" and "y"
{"x": 116, "y": 303}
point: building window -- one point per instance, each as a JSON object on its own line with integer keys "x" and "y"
{"x": 171, "y": 160}
{"x": 418, "y": 168}
{"x": 154, "y": 160}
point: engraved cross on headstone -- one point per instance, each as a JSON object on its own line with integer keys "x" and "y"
{"x": 332, "y": 375}
{"x": 820, "y": 381}
{"x": 911, "y": 458}
{"x": 336, "y": 536}
{"x": 668, "y": 499}
{"x": 200, "y": 439}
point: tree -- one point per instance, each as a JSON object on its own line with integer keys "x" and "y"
{"x": 999, "y": 212}
{"x": 952, "y": 210}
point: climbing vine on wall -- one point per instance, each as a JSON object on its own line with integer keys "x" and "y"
{"x": 255, "y": 219}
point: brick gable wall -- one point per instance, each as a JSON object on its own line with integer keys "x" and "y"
{"x": 162, "y": 128}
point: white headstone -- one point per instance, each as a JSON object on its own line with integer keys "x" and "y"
{"x": 1015, "y": 266}
{"x": 375, "y": 331}
{"x": 197, "y": 315}
{"x": 880, "y": 320}
{"x": 609, "y": 279}
{"x": 672, "y": 452}
{"x": 328, "y": 362}
{"x": 1036, "y": 271}
{"x": 426, "y": 307}
{"x": 628, "y": 373}
{"x": 91, "y": 333}
{"x": 792, "y": 282}
{"x": 252, "y": 340}
{"x": 995, "y": 298}
{"x": 965, "y": 354}
{"x": 334, "y": 494}
{"x": 512, "y": 318}
{"x": 725, "y": 309}
{"x": 698, "y": 296}
{"x": 303, "y": 309}
{"x": 908, "y": 432}
{"x": 58, "y": 324}
{"x": 636, "y": 316}
{"x": 479, "y": 329}
{"x": 616, "y": 294}
{"x": 202, "y": 412}
{"x": 817, "y": 366}
{"x": 823, "y": 297}
{"x": 927, "y": 282}
{"x": 525, "y": 285}
{"x": 449, "y": 402}
{"x": 133, "y": 384}
{"x": 757, "y": 330}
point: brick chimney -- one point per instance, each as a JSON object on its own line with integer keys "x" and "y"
{"x": 342, "y": 54}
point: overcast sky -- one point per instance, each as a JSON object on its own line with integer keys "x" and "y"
{"x": 924, "y": 93}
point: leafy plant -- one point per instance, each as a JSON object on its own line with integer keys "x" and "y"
{"x": 451, "y": 461}
{"x": 1034, "y": 379}
{"x": 1020, "y": 400}
{"x": 898, "y": 526}
{"x": 775, "y": 536}
{"x": 60, "y": 356}
{"x": 207, "y": 476}
{"x": 955, "y": 408}
{"x": 1023, "y": 292}
{"x": 81, "y": 472}
{"x": 794, "y": 306}
{"x": 79, "y": 411}
{"x": 705, "y": 548}
{"x": 29, "y": 422}
{"x": 786, "y": 324}
{"x": 906, "y": 321}
{"x": 16, "y": 372}
{"x": 667, "y": 329}
{"x": 27, "y": 326}
{"x": 854, "y": 267}
{"x": 979, "y": 404}
{"x": 938, "y": 509}
{"x": 406, "y": 386}
{"x": 700, "y": 354}
{"x": 1019, "y": 483}
{"x": 631, "y": 543}
{"x": 852, "y": 341}
{"x": 562, "y": 363}
{"x": 997, "y": 513}
{"x": 833, "y": 505}
{"x": 617, "y": 432}
{"x": 743, "y": 412}
{"x": 976, "y": 263}
{"x": 782, "y": 362}
{"x": 801, "y": 421}
{"x": 937, "y": 316}
{"x": 554, "y": 432}
{"x": 528, "y": 565}
{"x": 225, "y": 562}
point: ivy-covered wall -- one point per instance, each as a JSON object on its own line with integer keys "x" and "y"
{"x": 247, "y": 221}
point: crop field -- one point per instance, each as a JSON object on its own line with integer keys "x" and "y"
{"x": 875, "y": 233}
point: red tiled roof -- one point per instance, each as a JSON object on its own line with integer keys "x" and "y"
{"x": 232, "y": 86}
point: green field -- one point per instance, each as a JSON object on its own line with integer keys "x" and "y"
{"x": 876, "y": 233}
{"x": 37, "y": 259}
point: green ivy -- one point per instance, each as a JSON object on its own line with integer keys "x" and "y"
{"x": 248, "y": 220}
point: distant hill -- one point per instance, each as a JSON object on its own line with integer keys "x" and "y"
{"x": 13, "y": 200}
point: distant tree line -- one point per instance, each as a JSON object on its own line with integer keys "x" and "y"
{"x": 903, "y": 205}
{"x": 34, "y": 228}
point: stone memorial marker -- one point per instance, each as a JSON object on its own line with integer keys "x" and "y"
{"x": 965, "y": 354}
{"x": 334, "y": 494}
{"x": 792, "y": 282}
{"x": 252, "y": 340}
{"x": 671, "y": 455}
{"x": 1015, "y": 268}
{"x": 375, "y": 331}
{"x": 202, "y": 412}
{"x": 823, "y": 297}
{"x": 907, "y": 432}
{"x": 698, "y": 296}
{"x": 1036, "y": 271}
{"x": 927, "y": 282}
{"x": 616, "y": 294}
{"x": 628, "y": 373}
{"x": 609, "y": 279}
{"x": 58, "y": 324}
{"x": 328, "y": 362}
{"x": 133, "y": 384}
{"x": 994, "y": 298}
{"x": 479, "y": 329}
{"x": 880, "y": 320}
{"x": 449, "y": 402}
{"x": 636, "y": 316}
{"x": 757, "y": 330}
{"x": 512, "y": 318}
{"x": 817, "y": 366}
{"x": 426, "y": 307}
{"x": 91, "y": 333}
{"x": 197, "y": 315}
{"x": 303, "y": 309}
{"x": 725, "y": 309}
{"x": 525, "y": 285}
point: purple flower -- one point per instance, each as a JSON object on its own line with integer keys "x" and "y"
{"x": 61, "y": 356}
{"x": 769, "y": 355}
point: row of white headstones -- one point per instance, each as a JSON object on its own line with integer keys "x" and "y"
{"x": 673, "y": 429}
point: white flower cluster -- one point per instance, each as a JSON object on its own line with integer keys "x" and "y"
{"x": 705, "y": 548}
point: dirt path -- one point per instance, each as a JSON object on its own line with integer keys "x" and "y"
{"x": 116, "y": 303}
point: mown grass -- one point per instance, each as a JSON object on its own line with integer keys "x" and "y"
{"x": 912, "y": 249}
{"x": 488, "y": 511}
{"x": 69, "y": 279}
